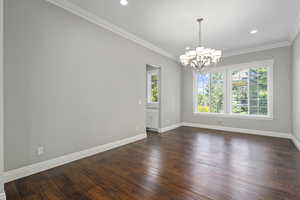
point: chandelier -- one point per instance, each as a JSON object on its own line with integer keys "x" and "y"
{"x": 200, "y": 57}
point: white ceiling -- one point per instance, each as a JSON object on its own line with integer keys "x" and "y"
{"x": 171, "y": 25}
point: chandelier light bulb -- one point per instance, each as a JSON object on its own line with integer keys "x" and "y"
{"x": 124, "y": 2}
{"x": 200, "y": 57}
{"x": 253, "y": 31}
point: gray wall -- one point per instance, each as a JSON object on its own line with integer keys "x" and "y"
{"x": 282, "y": 94}
{"x": 1, "y": 97}
{"x": 296, "y": 87}
{"x": 70, "y": 85}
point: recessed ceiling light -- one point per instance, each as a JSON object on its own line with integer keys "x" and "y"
{"x": 253, "y": 31}
{"x": 187, "y": 48}
{"x": 123, "y": 2}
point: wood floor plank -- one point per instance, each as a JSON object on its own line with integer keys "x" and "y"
{"x": 182, "y": 164}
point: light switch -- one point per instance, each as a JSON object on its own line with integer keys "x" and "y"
{"x": 40, "y": 150}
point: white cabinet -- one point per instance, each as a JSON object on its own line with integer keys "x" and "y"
{"x": 152, "y": 118}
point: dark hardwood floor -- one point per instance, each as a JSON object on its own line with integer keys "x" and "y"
{"x": 183, "y": 164}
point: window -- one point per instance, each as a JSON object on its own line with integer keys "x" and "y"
{"x": 152, "y": 87}
{"x": 239, "y": 90}
{"x": 250, "y": 91}
{"x": 210, "y": 93}
{"x": 240, "y": 86}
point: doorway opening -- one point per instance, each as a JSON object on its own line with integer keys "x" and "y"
{"x": 153, "y": 98}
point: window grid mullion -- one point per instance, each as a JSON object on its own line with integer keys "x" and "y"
{"x": 249, "y": 91}
{"x": 209, "y": 92}
{"x": 227, "y": 92}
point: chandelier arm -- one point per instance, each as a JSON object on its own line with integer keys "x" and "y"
{"x": 201, "y": 57}
{"x": 190, "y": 63}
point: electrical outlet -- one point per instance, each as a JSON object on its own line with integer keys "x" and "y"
{"x": 137, "y": 128}
{"x": 40, "y": 150}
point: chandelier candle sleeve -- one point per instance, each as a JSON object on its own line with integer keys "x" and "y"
{"x": 200, "y": 57}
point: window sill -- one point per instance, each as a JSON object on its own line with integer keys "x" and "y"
{"x": 225, "y": 115}
{"x": 153, "y": 104}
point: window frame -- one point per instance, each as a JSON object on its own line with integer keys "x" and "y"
{"x": 227, "y": 70}
{"x": 195, "y": 91}
{"x": 149, "y": 84}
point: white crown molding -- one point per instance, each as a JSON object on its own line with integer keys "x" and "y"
{"x": 66, "y": 5}
{"x": 295, "y": 30}
{"x": 256, "y": 49}
{"x": 75, "y": 9}
{"x": 48, "y": 164}
{"x": 2, "y": 196}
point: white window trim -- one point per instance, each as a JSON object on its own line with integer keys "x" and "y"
{"x": 149, "y": 80}
{"x": 195, "y": 91}
{"x": 227, "y": 70}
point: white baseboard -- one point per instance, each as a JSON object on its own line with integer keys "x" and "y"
{"x": 45, "y": 165}
{"x": 2, "y": 196}
{"x": 247, "y": 131}
{"x": 229, "y": 129}
{"x": 237, "y": 130}
{"x": 240, "y": 130}
{"x": 168, "y": 128}
{"x": 296, "y": 142}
